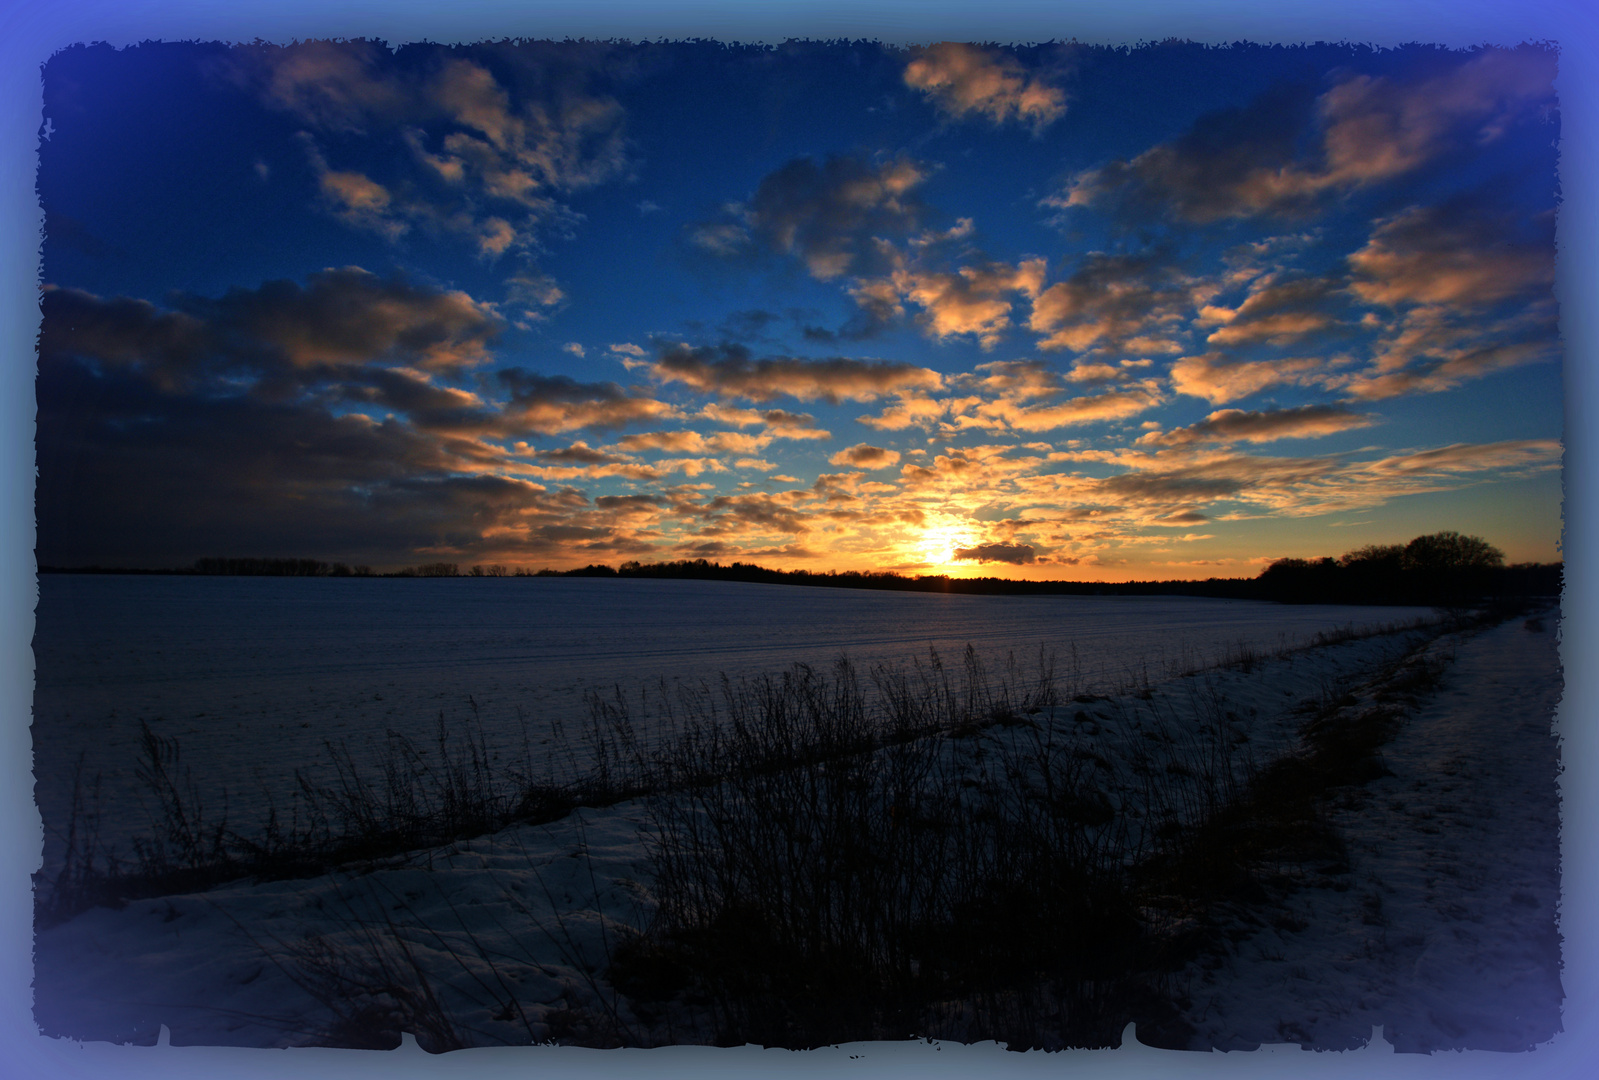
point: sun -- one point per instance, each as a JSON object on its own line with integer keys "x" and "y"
{"x": 939, "y": 543}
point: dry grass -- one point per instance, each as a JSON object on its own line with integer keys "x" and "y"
{"x": 919, "y": 850}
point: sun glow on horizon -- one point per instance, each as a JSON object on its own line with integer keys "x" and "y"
{"x": 939, "y": 543}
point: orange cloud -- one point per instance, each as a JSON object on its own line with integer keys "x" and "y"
{"x": 1370, "y": 128}
{"x": 554, "y": 405}
{"x": 1113, "y": 301}
{"x": 866, "y": 456}
{"x": 730, "y": 370}
{"x": 963, "y": 80}
{"x": 1441, "y": 255}
{"x": 910, "y": 410}
{"x": 1218, "y": 379}
{"x": 1079, "y": 410}
{"x": 1277, "y": 312}
{"x": 778, "y": 422}
{"x": 1236, "y": 425}
{"x": 970, "y": 300}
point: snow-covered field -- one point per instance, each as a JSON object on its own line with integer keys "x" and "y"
{"x": 252, "y": 676}
{"x": 1450, "y": 917}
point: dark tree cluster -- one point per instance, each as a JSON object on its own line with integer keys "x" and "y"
{"x": 1443, "y": 568}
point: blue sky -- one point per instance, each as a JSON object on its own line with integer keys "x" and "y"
{"x": 1053, "y": 311}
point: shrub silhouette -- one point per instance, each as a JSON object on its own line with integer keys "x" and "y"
{"x": 1442, "y": 568}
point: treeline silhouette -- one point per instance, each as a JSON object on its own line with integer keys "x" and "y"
{"x": 704, "y": 570}
{"x": 1443, "y": 568}
{"x": 279, "y": 568}
{"x": 1440, "y": 569}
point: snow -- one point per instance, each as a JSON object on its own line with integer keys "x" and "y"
{"x": 252, "y": 676}
{"x": 1450, "y": 918}
{"x": 1447, "y": 937}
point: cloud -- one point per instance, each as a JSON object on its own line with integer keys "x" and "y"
{"x": 468, "y": 155}
{"x": 1114, "y": 405}
{"x": 1217, "y": 378}
{"x": 1236, "y": 425}
{"x": 134, "y": 472}
{"x": 629, "y": 504}
{"x": 827, "y": 215}
{"x": 1365, "y": 130}
{"x": 1452, "y": 254}
{"x": 1013, "y": 395}
{"x": 414, "y": 394}
{"x": 1159, "y": 488}
{"x": 752, "y": 515}
{"x": 1181, "y": 518}
{"x": 729, "y": 370}
{"x": 1279, "y": 311}
{"x": 554, "y": 405}
{"x": 964, "y": 80}
{"x": 1018, "y": 379}
{"x": 1515, "y": 454}
{"x": 724, "y": 238}
{"x": 970, "y": 475}
{"x": 866, "y": 456}
{"x": 566, "y": 140}
{"x": 359, "y": 201}
{"x": 846, "y": 216}
{"x": 677, "y": 442}
{"x": 535, "y": 294}
{"x": 1092, "y": 371}
{"x": 580, "y": 453}
{"x": 971, "y": 300}
{"x": 1015, "y": 554}
{"x": 911, "y": 410}
{"x": 1375, "y": 128}
{"x": 1435, "y": 351}
{"x": 1471, "y": 290}
{"x": 284, "y": 334}
{"x": 692, "y": 442}
{"x": 1114, "y": 302}
{"x": 1180, "y": 486}
{"x": 778, "y": 422}
{"x": 346, "y": 87}
{"x": 127, "y": 390}
{"x": 1221, "y": 167}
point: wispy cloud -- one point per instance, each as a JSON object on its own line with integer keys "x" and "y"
{"x": 731, "y": 371}
{"x": 827, "y": 214}
{"x": 864, "y": 455}
{"x": 968, "y": 80}
{"x": 1125, "y": 303}
{"x": 1364, "y": 130}
{"x": 466, "y": 155}
{"x": 1237, "y": 425}
{"x": 556, "y": 404}
{"x": 1219, "y": 378}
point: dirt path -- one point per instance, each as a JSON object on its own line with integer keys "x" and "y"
{"x": 1443, "y": 930}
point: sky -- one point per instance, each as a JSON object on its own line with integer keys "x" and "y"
{"x": 1048, "y": 312}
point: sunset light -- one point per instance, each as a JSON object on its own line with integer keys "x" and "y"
{"x": 1050, "y": 312}
{"x": 938, "y": 546}
{"x": 587, "y": 543}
